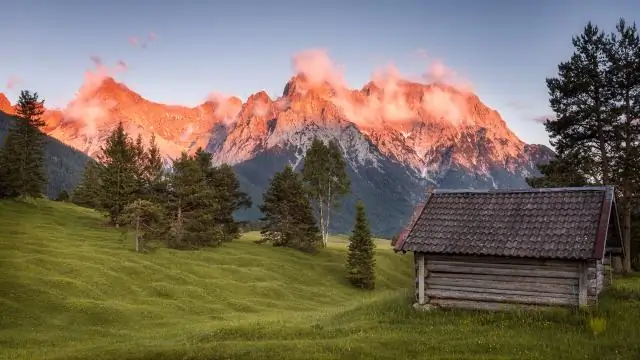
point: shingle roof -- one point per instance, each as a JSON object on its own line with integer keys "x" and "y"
{"x": 562, "y": 223}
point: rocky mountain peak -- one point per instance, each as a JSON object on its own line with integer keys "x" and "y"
{"x": 5, "y": 104}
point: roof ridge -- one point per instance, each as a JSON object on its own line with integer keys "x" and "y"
{"x": 526, "y": 190}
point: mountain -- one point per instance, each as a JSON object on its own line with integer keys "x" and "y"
{"x": 397, "y": 136}
{"x": 63, "y": 164}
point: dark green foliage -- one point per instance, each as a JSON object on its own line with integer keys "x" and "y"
{"x": 89, "y": 191}
{"x": 119, "y": 174}
{"x": 326, "y": 179}
{"x": 360, "y": 258}
{"x": 395, "y": 238}
{"x": 596, "y": 99}
{"x": 146, "y": 218}
{"x": 558, "y": 173}
{"x": 288, "y": 216}
{"x": 154, "y": 176}
{"x": 191, "y": 206}
{"x": 63, "y": 196}
{"x": 22, "y": 157}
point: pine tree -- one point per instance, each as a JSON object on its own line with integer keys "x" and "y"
{"x": 360, "y": 260}
{"x": 558, "y": 173}
{"x": 229, "y": 199}
{"x": 63, "y": 196}
{"x": 155, "y": 181}
{"x": 326, "y": 180}
{"x": 89, "y": 192}
{"x": 581, "y": 97}
{"x": 119, "y": 175}
{"x": 624, "y": 76}
{"x": 191, "y": 206}
{"x": 288, "y": 217}
{"x": 22, "y": 157}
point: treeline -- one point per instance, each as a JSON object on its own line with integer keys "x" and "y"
{"x": 596, "y": 131}
{"x": 190, "y": 203}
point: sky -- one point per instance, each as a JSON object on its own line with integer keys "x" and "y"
{"x": 179, "y": 52}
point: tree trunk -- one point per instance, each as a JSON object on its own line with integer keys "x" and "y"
{"x": 626, "y": 240}
{"x": 137, "y": 234}
{"x": 321, "y": 206}
{"x": 326, "y": 224}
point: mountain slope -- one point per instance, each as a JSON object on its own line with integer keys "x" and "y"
{"x": 63, "y": 165}
{"x": 397, "y": 136}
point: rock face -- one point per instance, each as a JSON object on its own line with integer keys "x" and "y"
{"x": 396, "y": 136}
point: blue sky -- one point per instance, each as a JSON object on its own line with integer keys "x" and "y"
{"x": 505, "y": 48}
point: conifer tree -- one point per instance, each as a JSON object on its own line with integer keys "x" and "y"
{"x": 288, "y": 217}
{"x": 22, "y": 157}
{"x": 89, "y": 192}
{"x": 119, "y": 175}
{"x": 154, "y": 173}
{"x": 325, "y": 176}
{"x": 191, "y": 206}
{"x": 63, "y": 196}
{"x": 360, "y": 260}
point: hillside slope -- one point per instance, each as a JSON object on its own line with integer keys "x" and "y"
{"x": 70, "y": 288}
{"x": 64, "y": 165}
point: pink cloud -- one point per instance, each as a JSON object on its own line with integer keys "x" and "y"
{"x": 134, "y": 41}
{"x": 13, "y": 82}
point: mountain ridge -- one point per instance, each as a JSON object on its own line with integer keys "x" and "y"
{"x": 390, "y": 129}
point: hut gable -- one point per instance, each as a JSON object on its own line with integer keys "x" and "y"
{"x": 557, "y": 223}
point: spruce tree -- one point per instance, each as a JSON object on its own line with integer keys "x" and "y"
{"x": 191, "y": 206}
{"x": 22, "y": 157}
{"x": 89, "y": 192}
{"x": 119, "y": 175}
{"x": 288, "y": 217}
{"x": 360, "y": 260}
{"x": 155, "y": 181}
{"x": 326, "y": 180}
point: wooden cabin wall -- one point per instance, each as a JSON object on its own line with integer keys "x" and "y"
{"x": 496, "y": 283}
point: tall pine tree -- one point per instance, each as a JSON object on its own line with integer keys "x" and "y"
{"x": 325, "y": 176}
{"x": 288, "y": 217}
{"x": 119, "y": 175}
{"x": 89, "y": 192}
{"x": 22, "y": 157}
{"x": 360, "y": 260}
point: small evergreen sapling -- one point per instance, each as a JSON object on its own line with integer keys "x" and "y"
{"x": 360, "y": 260}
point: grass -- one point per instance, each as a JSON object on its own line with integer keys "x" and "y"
{"x": 71, "y": 288}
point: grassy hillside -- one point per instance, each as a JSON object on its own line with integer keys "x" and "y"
{"x": 70, "y": 288}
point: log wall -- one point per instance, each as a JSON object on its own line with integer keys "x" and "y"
{"x": 498, "y": 283}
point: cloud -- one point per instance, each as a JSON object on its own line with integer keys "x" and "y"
{"x": 541, "y": 119}
{"x": 387, "y": 95}
{"x": 85, "y": 109}
{"x": 227, "y": 107}
{"x": 137, "y": 42}
{"x": 187, "y": 132}
{"x": 517, "y": 105}
{"x": 13, "y": 81}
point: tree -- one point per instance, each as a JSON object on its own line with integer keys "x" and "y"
{"x": 191, "y": 206}
{"x": 229, "y": 199}
{"x": 63, "y": 196}
{"x": 326, "y": 179}
{"x": 360, "y": 260}
{"x": 145, "y": 217}
{"x": 88, "y": 192}
{"x": 154, "y": 177}
{"x": 558, "y": 173}
{"x": 582, "y": 100}
{"x": 624, "y": 76}
{"x": 288, "y": 217}
{"x": 22, "y": 157}
{"x": 119, "y": 175}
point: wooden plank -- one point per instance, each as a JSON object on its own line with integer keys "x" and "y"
{"x": 558, "y": 267}
{"x": 481, "y": 305}
{"x": 421, "y": 279}
{"x": 501, "y": 271}
{"x": 519, "y": 299}
{"x": 502, "y": 278}
{"x": 505, "y": 285}
{"x": 501, "y": 291}
{"x": 583, "y": 285}
{"x": 501, "y": 260}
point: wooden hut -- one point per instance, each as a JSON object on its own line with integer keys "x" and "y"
{"x": 492, "y": 249}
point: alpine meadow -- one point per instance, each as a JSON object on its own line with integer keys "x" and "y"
{"x": 401, "y": 220}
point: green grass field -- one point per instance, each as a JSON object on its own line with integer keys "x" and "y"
{"x": 71, "y": 288}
